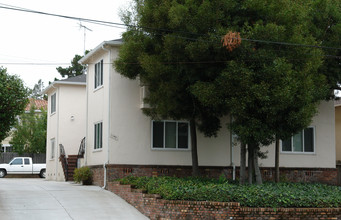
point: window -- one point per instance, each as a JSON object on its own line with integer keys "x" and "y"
{"x": 6, "y": 148}
{"x": 170, "y": 135}
{"x": 52, "y": 148}
{"x": 17, "y": 161}
{"x": 98, "y": 135}
{"x": 98, "y": 74}
{"x": 27, "y": 161}
{"x": 53, "y": 103}
{"x": 301, "y": 142}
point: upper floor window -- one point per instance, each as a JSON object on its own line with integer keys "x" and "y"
{"x": 170, "y": 135}
{"x": 98, "y": 135}
{"x": 99, "y": 74}
{"x": 303, "y": 142}
{"x": 53, "y": 103}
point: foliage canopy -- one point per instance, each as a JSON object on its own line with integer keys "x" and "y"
{"x": 13, "y": 100}
{"x": 75, "y": 69}
{"x": 29, "y": 135}
{"x": 271, "y": 84}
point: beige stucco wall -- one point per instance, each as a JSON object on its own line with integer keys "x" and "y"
{"x": 98, "y": 105}
{"x": 338, "y": 132}
{"x": 324, "y": 156}
{"x": 129, "y": 137}
{"x": 66, "y": 125}
{"x": 52, "y": 128}
{"x": 72, "y": 117}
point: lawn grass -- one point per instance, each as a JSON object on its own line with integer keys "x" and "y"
{"x": 267, "y": 195}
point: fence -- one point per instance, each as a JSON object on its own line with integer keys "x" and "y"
{"x": 6, "y": 157}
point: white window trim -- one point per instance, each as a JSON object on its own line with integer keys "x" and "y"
{"x": 55, "y": 104}
{"x": 164, "y": 133}
{"x": 53, "y": 150}
{"x": 97, "y": 87}
{"x": 97, "y": 149}
{"x": 296, "y": 152}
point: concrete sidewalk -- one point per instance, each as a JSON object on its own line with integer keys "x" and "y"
{"x": 32, "y": 199}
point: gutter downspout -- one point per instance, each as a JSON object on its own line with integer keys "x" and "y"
{"x": 231, "y": 152}
{"x": 87, "y": 120}
{"x": 58, "y": 141}
{"x": 109, "y": 107}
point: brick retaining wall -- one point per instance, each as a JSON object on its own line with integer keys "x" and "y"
{"x": 156, "y": 208}
{"x": 116, "y": 171}
{"x": 97, "y": 175}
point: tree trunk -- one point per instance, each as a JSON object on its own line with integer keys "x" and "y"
{"x": 195, "y": 164}
{"x": 250, "y": 163}
{"x": 277, "y": 161}
{"x": 242, "y": 163}
{"x": 256, "y": 167}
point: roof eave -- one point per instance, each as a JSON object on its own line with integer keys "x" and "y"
{"x": 85, "y": 59}
{"x": 56, "y": 83}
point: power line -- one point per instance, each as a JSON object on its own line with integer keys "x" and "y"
{"x": 175, "y": 62}
{"x": 37, "y": 64}
{"x": 114, "y": 24}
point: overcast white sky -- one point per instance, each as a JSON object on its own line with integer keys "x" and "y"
{"x": 28, "y": 42}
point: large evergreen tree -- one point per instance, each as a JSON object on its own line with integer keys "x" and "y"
{"x": 75, "y": 69}
{"x": 271, "y": 83}
{"x": 169, "y": 59}
{"x": 272, "y": 87}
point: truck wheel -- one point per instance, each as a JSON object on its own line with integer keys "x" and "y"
{"x": 42, "y": 173}
{"x": 2, "y": 173}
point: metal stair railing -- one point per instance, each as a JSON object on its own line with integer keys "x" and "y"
{"x": 63, "y": 160}
{"x": 81, "y": 150}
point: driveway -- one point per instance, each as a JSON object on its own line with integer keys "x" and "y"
{"x": 40, "y": 199}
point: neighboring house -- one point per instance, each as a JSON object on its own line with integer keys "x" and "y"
{"x": 121, "y": 140}
{"x": 39, "y": 104}
{"x": 337, "y": 105}
{"x": 65, "y": 122}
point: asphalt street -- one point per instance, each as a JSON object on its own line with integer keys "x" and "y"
{"x": 34, "y": 199}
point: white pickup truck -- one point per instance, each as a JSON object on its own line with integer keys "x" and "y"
{"x": 22, "y": 165}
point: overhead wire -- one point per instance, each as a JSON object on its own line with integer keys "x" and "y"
{"x": 115, "y": 24}
{"x": 123, "y": 26}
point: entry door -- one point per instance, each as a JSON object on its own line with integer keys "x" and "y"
{"x": 16, "y": 166}
{"x": 27, "y": 166}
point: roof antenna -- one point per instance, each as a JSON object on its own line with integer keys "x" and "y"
{"x": 85, "y": 29}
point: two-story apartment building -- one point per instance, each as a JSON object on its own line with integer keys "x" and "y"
{"x": 121, "y": 140}
{"x": 65, "y": 121}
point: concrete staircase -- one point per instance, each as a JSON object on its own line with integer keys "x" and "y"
{"x": 71, "y": 166}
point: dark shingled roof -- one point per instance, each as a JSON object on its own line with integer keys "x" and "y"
{"x": 80, "y": 79}
{"x": 118, "y": 40}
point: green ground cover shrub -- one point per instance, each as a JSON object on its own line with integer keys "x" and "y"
{"x": 266, "y": 195}
{"x": 83, "y": 175}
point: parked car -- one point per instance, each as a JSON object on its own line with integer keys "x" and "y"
{"x": 22, "y": 165}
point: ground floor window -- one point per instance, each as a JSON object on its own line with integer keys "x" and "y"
{"x": 170, "y": 135}
{"x": 303, "y": 142}
{"x": 6, "y": 148}
{"x": 98, "y": 135}
{"x": 53, "y": 143}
